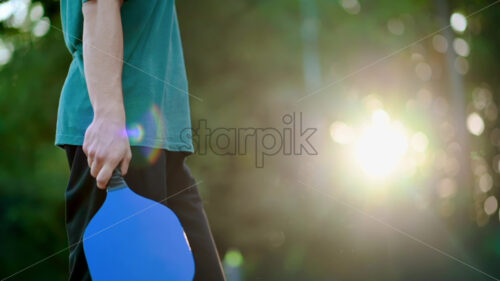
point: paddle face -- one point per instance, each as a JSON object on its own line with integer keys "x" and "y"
{"x": 135, "y": 238}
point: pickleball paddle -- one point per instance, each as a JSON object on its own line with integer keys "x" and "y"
{"x": 135, "y": 238}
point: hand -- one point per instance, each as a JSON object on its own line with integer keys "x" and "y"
{"x": 106, "y": 146}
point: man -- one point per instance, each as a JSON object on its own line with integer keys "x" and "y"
{"x": 125, "y": 104}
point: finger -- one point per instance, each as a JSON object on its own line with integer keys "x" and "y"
{"x": 90, "y": 157}
{"x": 96, "y": 167}
{"x": 85, "y": 148}
{"x": 125, "y": 163}
{"x": 85, "y": 145}
{"x": 104, "y": 175}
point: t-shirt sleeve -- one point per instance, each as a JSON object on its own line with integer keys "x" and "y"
{"x": 83, "y": 1}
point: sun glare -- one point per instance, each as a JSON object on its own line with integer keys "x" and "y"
{"x": 381, "y": 145}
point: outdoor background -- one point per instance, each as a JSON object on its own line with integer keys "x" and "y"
{"x": 403, "y": 94}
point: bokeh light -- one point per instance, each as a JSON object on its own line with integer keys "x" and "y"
{"x": 490, "y": 205}
{"x": 424, "y": 97}
{"x": 481, "y": 98}
{"x": 440, "y": 43}
{"x": 458, "y": 22}
{"x": 6, "y": 50}
{"x": 342, "y": 133}
{"x": 461, "y": 47}
{"x": 41, "y": 27}
{"x": 447, "y": 187}
{"x": 396, "y": 26}
{"x": 461, "y": 65}
{"x": 351, "y": 6}
{"x": 233, "y": 258}
{"x": 20, "y": 13}
{"x": 475, "y": 124}
{"x": 36, "y": 12}
{"x": 485, "y": 182}
{"x": 6, "y": 10}
{"x": 423, "y": 71}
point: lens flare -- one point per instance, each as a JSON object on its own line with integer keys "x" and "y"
{"x": 158, "y": 121}
{"x": 155, "y": 112}
{"x": 381, "y": 146}
{"x": 149, "y": 125}
{"x": 152, "y": 154}
{"x": 135, "y": 133}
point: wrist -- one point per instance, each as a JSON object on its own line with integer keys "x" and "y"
{"x": 110, "y": 112}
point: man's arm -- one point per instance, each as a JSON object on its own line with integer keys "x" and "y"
{"x": 106, "y": 142}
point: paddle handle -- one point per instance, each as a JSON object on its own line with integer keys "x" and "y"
{"x": 116, "y": 181}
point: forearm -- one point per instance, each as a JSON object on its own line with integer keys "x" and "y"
{"x": 106, "y": 143}
{"x": 103, "y": 57}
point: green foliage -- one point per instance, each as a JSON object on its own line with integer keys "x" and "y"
{"x": 33, "y": 171}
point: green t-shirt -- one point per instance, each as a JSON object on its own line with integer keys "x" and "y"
{"x": 155, "y": 87}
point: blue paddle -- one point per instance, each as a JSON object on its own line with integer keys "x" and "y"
{"x": 135, "y": 238}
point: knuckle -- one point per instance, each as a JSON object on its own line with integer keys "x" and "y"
{"x": 100, "y": 157}
{"x": 114, "y": 159}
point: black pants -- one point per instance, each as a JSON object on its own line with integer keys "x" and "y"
{"x": 155, "y": 174}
